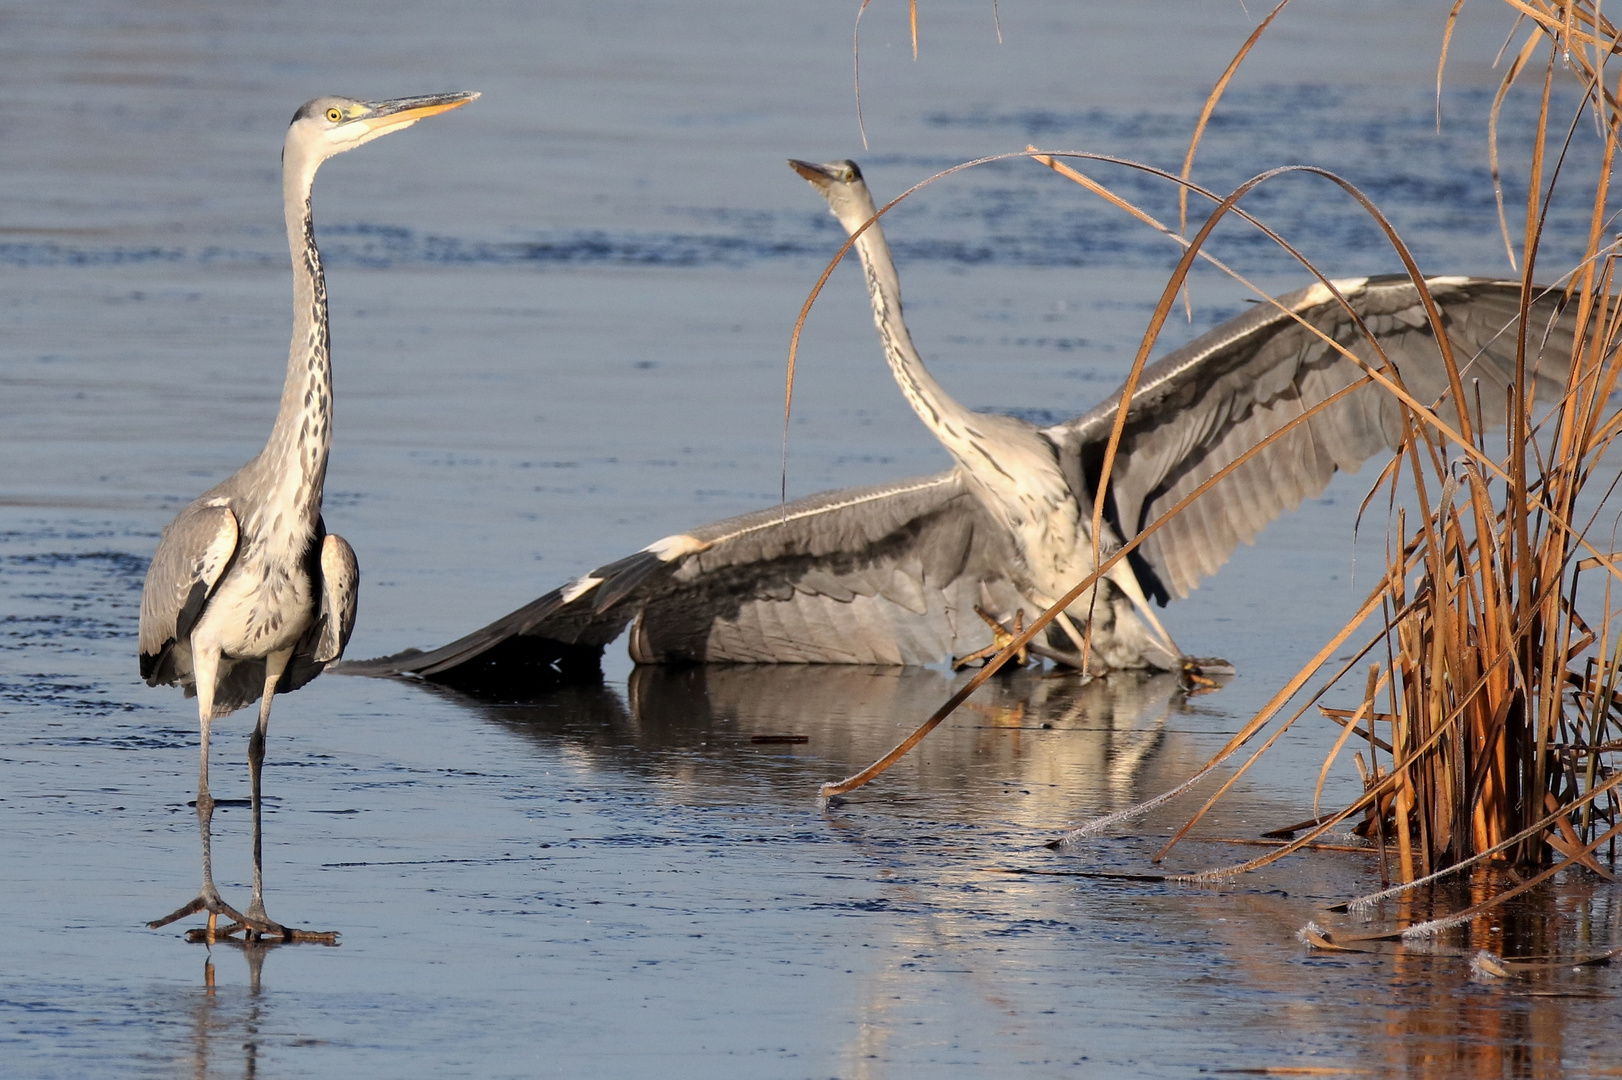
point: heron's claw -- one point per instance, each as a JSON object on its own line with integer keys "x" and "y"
{"x": 254, "y": 926}
{"x": 1204, "y": 674}
{"x": 1001, "y": 637}
{"x": 207, "y": 900}
{"x": 264, "y": 934}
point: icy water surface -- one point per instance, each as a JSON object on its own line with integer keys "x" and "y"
{"x": 560, "y": 318}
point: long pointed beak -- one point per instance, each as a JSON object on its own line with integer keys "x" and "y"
{"x": 403, "y": 112}
{"x": 819, "y": 175}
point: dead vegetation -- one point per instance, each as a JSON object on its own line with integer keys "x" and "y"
{"x": 1488, "y": 721}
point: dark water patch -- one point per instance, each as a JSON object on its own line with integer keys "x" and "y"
{"x": 59, "y": 627}
{"x": 140, "y": 739}
{"x": 82, "y": 699}
{"x": 117, "y": 562}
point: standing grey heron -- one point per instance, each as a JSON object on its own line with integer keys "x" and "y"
{"x": 893, "y": 574}
{"x": 248, "y": 595}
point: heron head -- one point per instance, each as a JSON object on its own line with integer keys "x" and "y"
{"x": 841, "y": 183}
{"x": 330, "y": 125}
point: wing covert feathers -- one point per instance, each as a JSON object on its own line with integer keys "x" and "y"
{"x": 886, "y": 574}
{"x": 324, "y": 642}
{"x": 340, "y": 592}
{"x": 193, "y": 554}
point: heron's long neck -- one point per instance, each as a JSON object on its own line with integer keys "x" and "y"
{"x": 296, "y": 455}
{"x": 933, "y": 405}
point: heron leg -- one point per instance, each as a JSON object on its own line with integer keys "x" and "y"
{"x": 256, "y": 923}
{"x": 274, "y": 666}
{"x": 206, "y": 667}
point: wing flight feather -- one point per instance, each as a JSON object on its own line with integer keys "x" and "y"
{"x": 1202, "y": 406}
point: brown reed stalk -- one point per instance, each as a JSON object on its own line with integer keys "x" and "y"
{"x": 1504, "y": 701}
{"x": 1502, "y": 712}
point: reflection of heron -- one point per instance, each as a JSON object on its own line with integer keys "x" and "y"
{"x": 248, "y": 595}
{"x": 1082, "y": 748}
{"x": 892, "y": 574}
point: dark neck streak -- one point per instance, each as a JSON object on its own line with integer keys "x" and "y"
{"x": 294, "y": 462}
{"x": 928, "y": 399}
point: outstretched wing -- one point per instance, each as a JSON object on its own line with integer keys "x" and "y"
{"x": 193, "y": 554}
{"x": 1202, "y": 406}
{"x": 879, "y": 575}
{"x": 323, "y": 643}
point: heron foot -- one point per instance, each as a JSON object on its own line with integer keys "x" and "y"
{"x": 256, "y": 926}
{"x": 1204, "y": 674}
{"x": 252, "y": 927}
{"x": 207, "y": 900}
{"x": 1001, "y": 637}
{"x": 264, "y": 934}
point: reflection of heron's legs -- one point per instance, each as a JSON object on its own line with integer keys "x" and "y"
{"x": 203, "y": 1011}
{"x": 219, "y": 1024}
{"x": 1125, "y": 762}
{"x": 255, "y": 952}
{"x": 206, "y": 666}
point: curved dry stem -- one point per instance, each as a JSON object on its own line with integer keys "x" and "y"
{"x": 1210, "y": 107}
{"x": 1441, "y": 60}
{"x": 1492, "y": 140}
{"x": 856, "y": 68}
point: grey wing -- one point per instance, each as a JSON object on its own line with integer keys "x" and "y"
{"x": 193, "y": 555}
{"x": 340, "y": 591}
{"x": 323, "y": 644}
{"x": 1202, "y": 406}
{"x": 887, "y": 574}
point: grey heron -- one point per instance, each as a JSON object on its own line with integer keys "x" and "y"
{"x": 893, "y": 574}
{"x": 248, "y": 595}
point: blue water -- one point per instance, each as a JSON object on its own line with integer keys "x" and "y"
{"x": 560, "y": 322}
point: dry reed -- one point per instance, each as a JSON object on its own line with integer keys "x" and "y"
{"x": 1490, "y": 723}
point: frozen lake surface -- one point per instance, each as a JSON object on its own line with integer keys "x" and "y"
{"x": 560, "y": 322}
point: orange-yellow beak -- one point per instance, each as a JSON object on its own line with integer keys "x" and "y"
{"x": 403, "y": 112}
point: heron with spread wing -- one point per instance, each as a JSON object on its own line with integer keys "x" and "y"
{"x": 894, "y": 574}
{"x": 248, "y": 595}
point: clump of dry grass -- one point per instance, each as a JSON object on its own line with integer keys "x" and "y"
{"x": 1491, "y": 727}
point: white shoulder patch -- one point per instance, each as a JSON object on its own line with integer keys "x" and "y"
{"x": 1320, "y": 294}
{"x": 579, "y": 587}
{"x": 221, "y": 546}
{"x": 674, "y": 547}
{"x": 1450, "y": 279}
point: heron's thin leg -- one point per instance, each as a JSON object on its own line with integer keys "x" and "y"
{"x": 275, "y": 664}
{"x": 256, "y": 922}
{"x": 206, "y": 667}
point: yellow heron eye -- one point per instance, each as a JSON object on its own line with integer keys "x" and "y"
{"x": 335, "y": 115}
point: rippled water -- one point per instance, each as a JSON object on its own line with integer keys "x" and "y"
{"x": 560, "y": 322}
